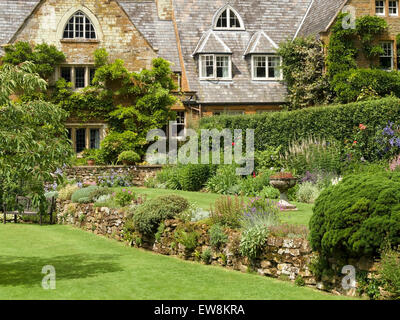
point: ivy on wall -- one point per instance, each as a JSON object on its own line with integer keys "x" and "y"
{"x": 342, "y": 47}
{"x": 131, "y": 102}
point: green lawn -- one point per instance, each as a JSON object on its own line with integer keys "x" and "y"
{"x": 91, "y": 267}
{"x": 205, "y": 200}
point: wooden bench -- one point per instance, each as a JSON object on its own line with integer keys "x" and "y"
{"x": 25, "y": 208}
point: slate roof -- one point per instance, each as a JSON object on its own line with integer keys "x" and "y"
{"x": 211, "y": 43}
{"x": 266, "y": 24}
{"x": 279, "y": 19}
{"x": 320, "y": 14}
{"x": 160, "y": 33}
{"x": 12, "y": 14}
{"x": 260, "y": 43}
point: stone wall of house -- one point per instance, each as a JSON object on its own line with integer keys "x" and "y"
{"x": 136, "y": 174}
{"x": 115, "y": 32}
{"x": 283, "y": 258}
{"x": 367, "y": 7}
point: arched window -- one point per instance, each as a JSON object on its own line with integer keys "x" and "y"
{"x": 79, "y": 26}
{"x": 229, "y": 19}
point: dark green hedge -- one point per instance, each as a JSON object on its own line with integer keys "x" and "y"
{"x": 335, "y": 121}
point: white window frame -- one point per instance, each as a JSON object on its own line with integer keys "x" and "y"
{"x": 214, "y": 76}
{"x": 73, "y": 67}
{"x": 388, "y": 56}
{"x": 74, "y": 16}
{"x": 380, "y": 7}
{"x": 396, "y": 2}
{"x": 266, "y": 56}
{"x": 229, "y": 10}
{"x": 179, "y": 126}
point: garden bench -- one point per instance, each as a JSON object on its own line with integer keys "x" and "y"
{"x": 25, "y": 208}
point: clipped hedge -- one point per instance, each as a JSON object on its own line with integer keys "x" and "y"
{"x": 359, "y": 216}
{"x": 334, "y": 121}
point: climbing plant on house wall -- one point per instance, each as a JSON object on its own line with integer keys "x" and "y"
{"x": 131, "y": 102}
{"x": 302, "y": 67}
{"x": 342, "y": 47}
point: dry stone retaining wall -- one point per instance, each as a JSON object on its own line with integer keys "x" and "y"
{"x": 284, "y": 258}
{"x": 137, "y": 174}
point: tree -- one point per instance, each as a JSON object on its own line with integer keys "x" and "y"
{"x": 302, "y": 67}
{"x": 33, "y": 138}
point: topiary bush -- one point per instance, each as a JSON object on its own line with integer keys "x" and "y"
{"x": 148, "y": 216}
{"x": 357, "y": 216}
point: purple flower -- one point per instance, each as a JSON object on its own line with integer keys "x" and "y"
{"x": 79, "y": 184}
{"x": 388, "y": 130}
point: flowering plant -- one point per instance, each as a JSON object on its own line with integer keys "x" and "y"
{"x": 124, "y": 197}
{"x": 260, "y": 211}
{"x": 115, "y": 179}
{"x": 282, "y": 175}
{"x": 388, "y": 140}
{"x": 365, "y": 145}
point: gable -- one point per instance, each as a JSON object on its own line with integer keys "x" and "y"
{"x": 319, "y": 16}
{"x": 117, "y": 34}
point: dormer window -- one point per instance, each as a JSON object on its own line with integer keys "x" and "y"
{"x": 79, "y": 26}
{"x": 228, "y": 19}
{"x": 266, "y": 67}
{"x": 215, "y": 67}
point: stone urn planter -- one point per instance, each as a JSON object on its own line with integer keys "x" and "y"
{"x": 283, "y": 181}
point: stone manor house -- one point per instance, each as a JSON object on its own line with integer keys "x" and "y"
{"x": 223, "y": 53}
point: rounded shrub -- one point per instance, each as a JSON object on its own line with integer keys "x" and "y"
{"x": 148, "y": 216}
{"x": 67, "y": 192}
{"x": 129, "y": 157}
{"x": 357, "y": 216}
{"x": 91, "y": 194}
